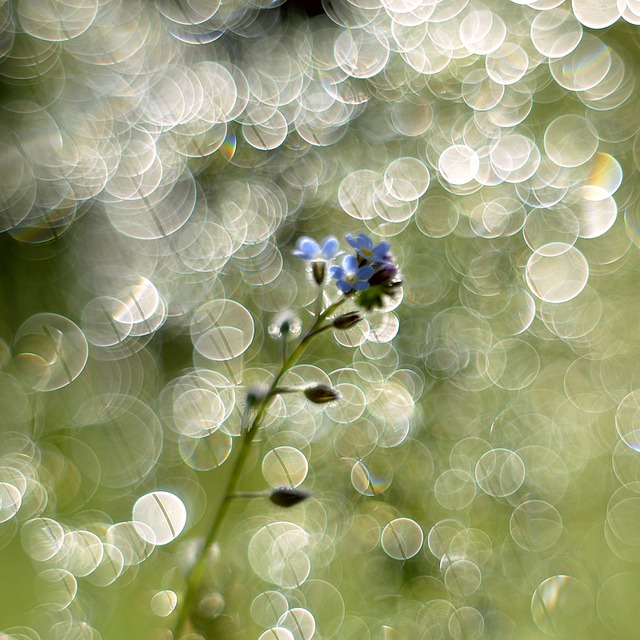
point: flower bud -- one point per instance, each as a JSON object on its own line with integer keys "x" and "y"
{"x": 288, "y": 496}
{"x": 283, "y": 324}
{"x": 347, "y": 320}
{"x": 384, "y": 283}
{"x": 321, "y": 393}
{"x": 255, "y": 394}
{"x": 385, "y": 275}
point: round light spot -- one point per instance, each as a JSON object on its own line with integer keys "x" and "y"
{"x": 300, "y": 622}
{"x": 597, "y": 15}
{"x": 555, "y": 33}
{"x": 618, "y": 604}
{"x": 222, "y": 329}
{"x": 500, "y": 472}
{"x": 268, "y": 607}
{"x": 585, "y": 67}
{"x": 513, "y": 364}
{"x": 557, "y": 272}
{"x": 605, "y": 174}
{"x": 535, "y": 525}
{"x": 106, "y": 321}
{"x": 207, "y": 452}
{"x": 285, "y": 467}
{"x": 164, "y": 602}
{"x": 458, "y": 164}
{"x": 455, "y": 489}
{"x": 595, "y": 210}
{"x": 402, "y": 538}
{"x": 50, "y": 351}
{"x": 463, "y": 577}
{"x": 163, "y": 515}
{"x": 507, "y": 64}
{"x": 466, "y": 623}
{"x": 406, "y": 179}
{"x": 562, "y": 605}
{"x": 10, "y": 501}
{"x": 277, "y": 554}
{"x": 42, "y": 538}
{"x": 570, "y": 140}
{"x": 361, "y": 54}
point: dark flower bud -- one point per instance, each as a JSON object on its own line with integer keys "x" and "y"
{"x": 255, "y": 394}
{"x": 288, "y": 496}
{"x": 283, "y": 324}
{"x": 347, "y": 320}
{"x": 385, "y": 275}
{"x": 384, "y": 283}
{"x": 321, "y": 393}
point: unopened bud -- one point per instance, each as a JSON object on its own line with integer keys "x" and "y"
{"x": 385, "y": 275}
{"x": 283, "y": 324}
{"x": 288, "y": 496}
{"x": 321, "y": 393}
{"x": 347, "y": 320}
{"x": 318, "y": 269}
{"x": 256, "y": 394}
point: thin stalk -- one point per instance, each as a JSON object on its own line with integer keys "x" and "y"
{"x": 194, "y": 576}
{"x": 248, "y": 495}
{"x": 283, "y": 348}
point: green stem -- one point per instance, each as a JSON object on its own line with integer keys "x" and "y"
{"x": 194, "y": 576}
{"x": 248, "y": 495}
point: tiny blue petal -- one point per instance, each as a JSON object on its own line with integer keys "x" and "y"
{"x": 364, "y": 273}
{"x": 350, "y": 264}
{"x": 308, "y": 249}
{"x": 364, "y": 247}
{"x": 382, "y": 248}
{"x": 330, "y": 247}
{"x": 362, "y": 241}
{"x": 337, "y": 272}
{"x": 309, "y": 246}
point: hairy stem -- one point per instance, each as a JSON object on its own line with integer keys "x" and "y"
{"x": 194, "y": 577}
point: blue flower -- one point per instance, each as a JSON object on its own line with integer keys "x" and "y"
{"x": 309, "y": 249}
{"x": 363, "y": 245}
{"x": 350, "y": 277}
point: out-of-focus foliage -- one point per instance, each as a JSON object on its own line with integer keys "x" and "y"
{"x": 480, "y": 477}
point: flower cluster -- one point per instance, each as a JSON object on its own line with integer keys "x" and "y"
{"x": 368, "y": 273}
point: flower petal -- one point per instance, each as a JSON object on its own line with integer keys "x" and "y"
{"x": 309, "y": 246}
{"x": 345, "y": 287}
{"x": 361, "y": 286}
{"x": 382, "y": 249}
{"x": 330, "y": 247}
{"x": 350, "y": 264}
{"x": 365, "y": 240}
{"x": 364, "y": 273}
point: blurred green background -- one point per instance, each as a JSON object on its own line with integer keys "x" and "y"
{"x": 158, "y": 161}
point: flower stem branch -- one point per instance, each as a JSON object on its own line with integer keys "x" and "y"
{"x": 194, "y": 577}
{"x": 247, "y": 495}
